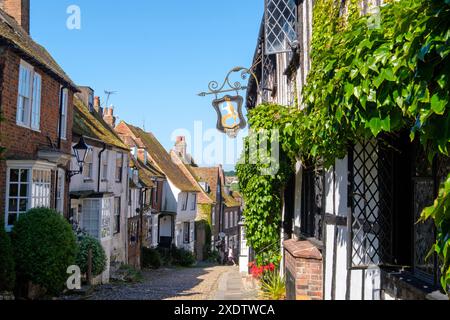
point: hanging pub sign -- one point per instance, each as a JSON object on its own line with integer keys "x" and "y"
{"x": 230, "y": 118}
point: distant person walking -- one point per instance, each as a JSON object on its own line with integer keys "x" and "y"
{"x": 231, "y": 256}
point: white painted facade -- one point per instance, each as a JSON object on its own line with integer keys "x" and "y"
{"x": 96, "y": 212}
{"x": 182, "y": 209}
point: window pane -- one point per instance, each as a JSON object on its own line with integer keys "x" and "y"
{"x": 36, "y": 107}
{"x": 13, "y": 204}
{"x": 13, "y": 190}
{"x": 24, "y": 175}
{"x": 23, "y": 190}
{"x": 23, "y": 204}
{"x": 12, "y": 218}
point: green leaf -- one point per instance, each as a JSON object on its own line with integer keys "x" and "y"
{"x": 378, "y": 80}
{"x": 386, "y": 123}
{"x": 389, "y": 74}
{"x": 348, "y": 90}
{"x": 437, "y": 104}
{"x": 375, "y": 126}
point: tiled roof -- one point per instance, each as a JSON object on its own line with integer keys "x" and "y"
{"x": 163, "y": 161}
{"x": 230, "y": 201}
{"x": 202, "y": 197}
{"x": 91, "y": 125}
{"x": 210, "y": 176}
{"x": 13, "y": 34}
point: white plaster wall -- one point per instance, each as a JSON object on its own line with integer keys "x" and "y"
{"x": 115, "y": 246}
{"x": 298, "y": 194}
{"x": 371, "y": 277}
{"x": 170, "y": 197}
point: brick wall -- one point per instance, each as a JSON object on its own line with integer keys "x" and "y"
{"x": 23, "y": 143}
{"x": 304, "y": 262}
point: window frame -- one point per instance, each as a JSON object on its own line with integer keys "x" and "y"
{"x": 105, "y": 165}
{"x": 31, "y": 117}
{"x": 117, "y": 215}
{"x": 194, "y": 202}
{"x": 184, "y": 204}
{"x": 90, "y": 165}
{"x": 119, "y": 169}
{"x": 64, "y": 111}
{"x": 186, "y": 232}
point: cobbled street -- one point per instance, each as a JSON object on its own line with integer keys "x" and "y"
{"x": 197, "y": 283}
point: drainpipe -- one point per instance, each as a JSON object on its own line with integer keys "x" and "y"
{"x": 99, "y": 166}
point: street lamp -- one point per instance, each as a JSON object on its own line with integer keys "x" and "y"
{"x": 81, "y": 151}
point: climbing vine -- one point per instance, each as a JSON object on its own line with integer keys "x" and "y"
{"x": 372, "y": 74}
{"x": 262, "y": 192}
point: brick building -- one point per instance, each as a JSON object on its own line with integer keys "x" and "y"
{"x": 36, "y": 105}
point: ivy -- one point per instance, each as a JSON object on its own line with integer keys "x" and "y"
{"x": 263, "y": 193}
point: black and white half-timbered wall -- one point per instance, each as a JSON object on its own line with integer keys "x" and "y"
{"x": 350, "y": 232}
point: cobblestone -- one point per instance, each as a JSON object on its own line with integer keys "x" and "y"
{"x": 198, "y": 283}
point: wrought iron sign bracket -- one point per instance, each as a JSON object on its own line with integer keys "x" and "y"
{"x": 227, "y": 86}
{"x": 230, "y": 119}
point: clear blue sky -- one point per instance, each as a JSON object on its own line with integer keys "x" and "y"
{"x": 157, "y": 54}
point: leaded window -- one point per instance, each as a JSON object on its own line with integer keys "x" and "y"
{"x": 280, "y": 25}
{"x": 371, "y": 202}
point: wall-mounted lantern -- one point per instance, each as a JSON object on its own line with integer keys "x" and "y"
{"x": 230, "y": 118}
{"x": 81, "y": 151}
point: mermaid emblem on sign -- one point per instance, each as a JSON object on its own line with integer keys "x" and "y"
{"x": 230, "y": 118}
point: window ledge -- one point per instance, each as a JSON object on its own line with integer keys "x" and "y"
{"x": 403, "y": 284}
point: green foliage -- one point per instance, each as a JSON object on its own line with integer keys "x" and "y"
{"x": 440, "y": 213}
{"x": 273, "y": 286}
{"x": 367, "y": 79}
{"x": 261, "y": 192}
{"x": 182, "y": 257}
{"x": 176, "y": 257}
{"x": 86, "y": 242}
{"x": 131, "y": 274}
{"x": 7, "y": 272}
{"x": 44, "y": 247}
{"x": 151, "y": 258}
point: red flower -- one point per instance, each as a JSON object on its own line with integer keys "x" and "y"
{"x": 271, "y": 267}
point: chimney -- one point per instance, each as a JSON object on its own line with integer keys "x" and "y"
{"x": 108, "y": 116}
{"x": 19, "y": 10}
{"x": 181, "y": 148}
{"x": 97, "y": 105}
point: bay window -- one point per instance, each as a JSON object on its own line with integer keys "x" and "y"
{"x": 96, "y": 217}
{"x": 29, "y": 97}
{"x": 28, "y": 185}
